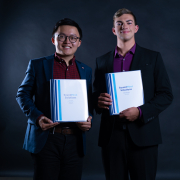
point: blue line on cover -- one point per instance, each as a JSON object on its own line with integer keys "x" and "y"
{"x": 115, "y": 93}
{"x": 59, "y": 94}
{"x": 52, "y": 97}
{"x": 56, "y": 103}
{"x": 113, "y": 105}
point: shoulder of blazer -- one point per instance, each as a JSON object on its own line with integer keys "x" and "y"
{"x": 107, "y": 55}
{"x": 51, "y": 57}
{"x": 144, "y": 50}
{"x": 106, "y": 60}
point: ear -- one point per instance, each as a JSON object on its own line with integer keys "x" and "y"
{"x": 113, "y": 30}
{"x": 79, "y": 43}
{"x": 136, "y": 28}
{"x": 52, "y": 40}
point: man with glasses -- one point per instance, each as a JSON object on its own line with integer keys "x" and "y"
{"x": 130, "y": 140}
{"x": 57, "y": 149}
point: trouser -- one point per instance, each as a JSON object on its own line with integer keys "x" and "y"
{"x": 60, "y": 159}
{"x": 122, "y": 158}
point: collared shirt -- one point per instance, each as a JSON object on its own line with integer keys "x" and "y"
{"x": 124, "y": 63}
{"x": 62, "y": 71}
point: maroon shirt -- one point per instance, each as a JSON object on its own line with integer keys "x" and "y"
{"x": 124, "y": 63}
{"x": 62, "y": 71}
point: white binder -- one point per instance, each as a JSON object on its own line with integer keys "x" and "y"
{"x": 125, "y": 89}
{"x": 68, "y": 99}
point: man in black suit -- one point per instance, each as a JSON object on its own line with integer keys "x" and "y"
{"x": 130, "y": 140}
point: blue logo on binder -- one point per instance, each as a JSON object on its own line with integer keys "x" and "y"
{"x": 126, "y": 88}
{"x": 70, "y": 96}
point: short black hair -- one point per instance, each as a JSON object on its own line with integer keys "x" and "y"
{"x": 67, "y": 21}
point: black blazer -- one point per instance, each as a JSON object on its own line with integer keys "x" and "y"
{"x": 157, "y": 95}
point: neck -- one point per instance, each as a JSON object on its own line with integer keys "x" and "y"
{"x": 124, "y": 47}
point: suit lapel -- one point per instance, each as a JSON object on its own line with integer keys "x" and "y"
{"x": 81, "y": 69}
{"x": 136, "y": 59}
{"x": 109, "y": 62}
{"x": 48, "y": 67}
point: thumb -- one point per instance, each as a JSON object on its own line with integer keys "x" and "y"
{"x": 89, "y": 119}
{"x": 46, "y": 120}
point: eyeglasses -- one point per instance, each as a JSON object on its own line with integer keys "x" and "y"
{"x": 72, "y": 39}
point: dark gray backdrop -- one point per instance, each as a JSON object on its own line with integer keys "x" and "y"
{"x": 25, "y": 33}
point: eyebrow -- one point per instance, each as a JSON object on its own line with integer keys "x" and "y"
{"x": 126, "y": 21}
{"x": 129, "y": 20}
{"x": 69, "y": 35}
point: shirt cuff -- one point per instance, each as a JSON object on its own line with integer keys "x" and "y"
{"x": 37, "y": 120}
{"x": 140, "y": 112}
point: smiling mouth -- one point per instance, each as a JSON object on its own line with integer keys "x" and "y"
{"x": 66, "y": 47}
{"x": 124, "y": 32}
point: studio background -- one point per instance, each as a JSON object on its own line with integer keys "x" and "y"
{"x": 25, "y": 33}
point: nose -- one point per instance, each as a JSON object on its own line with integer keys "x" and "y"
{"x": 67, "y": 39}
{"x": 123, "y": 26}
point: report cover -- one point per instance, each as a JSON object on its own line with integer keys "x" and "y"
{"x": 68, "y": 99}
{"x": 125, "y": 89}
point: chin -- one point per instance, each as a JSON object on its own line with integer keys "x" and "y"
{"x": 126, "y": 38}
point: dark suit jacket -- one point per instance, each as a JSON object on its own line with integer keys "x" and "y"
{"x": 157, "y": 96}
{"x": 33, "y": 97}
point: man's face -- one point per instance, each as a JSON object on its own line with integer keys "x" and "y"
{"x": 124, "y": 27}
{"x": 66, "y": 48}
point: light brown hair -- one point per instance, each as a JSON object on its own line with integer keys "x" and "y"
{"x": 122, "y": 11}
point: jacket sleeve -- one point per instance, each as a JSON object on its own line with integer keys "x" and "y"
{"x": 90, "y": 105}
{"x": 162, "y": 92}
{"x": 97, "y": 87}
{"x": 25, "y": 94}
